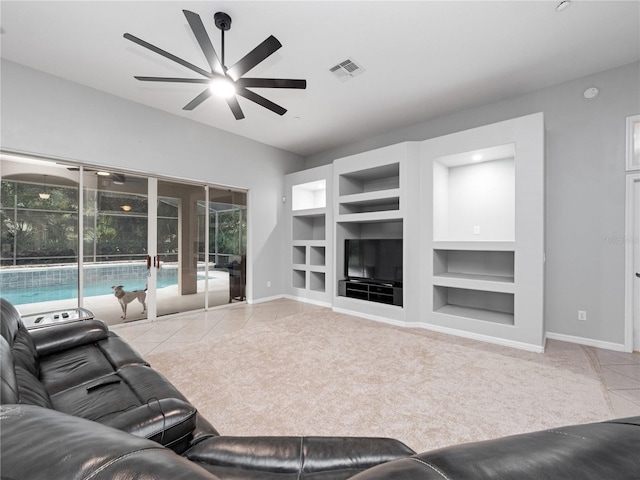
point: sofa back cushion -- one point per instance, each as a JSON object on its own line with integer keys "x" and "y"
{"x": 8, "y": 382}
{"x": 20, "y": 368}
{"x": 72, "y": 447}
{"x": 18, "y": 337}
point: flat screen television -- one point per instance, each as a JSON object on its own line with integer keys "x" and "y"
{"x": 378, "y": 260}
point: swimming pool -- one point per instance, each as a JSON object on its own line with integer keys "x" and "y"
{"x": 45, "y": 293}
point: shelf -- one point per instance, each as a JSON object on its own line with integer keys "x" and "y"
{"x": 317, "y": 256}
{"x": 317, "y": 268}
{"x": 491, "y": 270}
{"x": 371, "y": 292}
{"x": 309, "y": 204}
{"x": 491, "y": 283}
{"x": 299, "y": 254}
{"x": 311, "y": 212}
{"x": 384, "y": 177}
{"x": 308, "y": 243}
{"x": 477, "y": 314}
{"x": 371, "y": 217}
{"x": 370, "y": 197}
{"x": 373, "y": 205}
{"x": 310, "y": 195}
{"x": 474, "y": 245}
{"x": 317, "y": 281}
{"x": 474, "y": 277}
{"x": 309, "y": 227}
{"x": 497, "y": 307}
{"x": 298, "y": 279}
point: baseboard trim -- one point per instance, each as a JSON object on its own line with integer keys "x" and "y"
{"x": 308, "y": 300}
{"x": 449, "y": 331}
{"x": 367, "y": 316}
{"x": 529, "y": 347}
{"x": 253, "y": 301}
{"x": 618, "y": 347}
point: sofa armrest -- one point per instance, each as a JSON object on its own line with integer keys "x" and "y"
{"x": 43, "y": 444}
{"x": 587, "y": 452}
{"x": 57, "y": 338}
{"x": 168, "y": 421}
{"x": 295, "y": 455}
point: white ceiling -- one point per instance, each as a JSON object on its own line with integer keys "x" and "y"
{"x": 422, "y": 58}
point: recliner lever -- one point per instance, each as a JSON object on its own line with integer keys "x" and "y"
{"x": 103, "y": 383}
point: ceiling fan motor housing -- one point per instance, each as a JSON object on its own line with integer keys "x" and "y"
{"x": 222, "y": 20}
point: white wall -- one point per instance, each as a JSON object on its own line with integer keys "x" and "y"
{"x": 585, "y": 191}
{"x": 46, "y": 115}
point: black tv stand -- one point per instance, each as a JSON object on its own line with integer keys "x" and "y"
{"x": 371, "y": 291}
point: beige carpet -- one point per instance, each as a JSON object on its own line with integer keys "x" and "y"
{"x": 322, "y": 373}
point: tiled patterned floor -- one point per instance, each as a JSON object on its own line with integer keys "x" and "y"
{"x": 620, "y": 372}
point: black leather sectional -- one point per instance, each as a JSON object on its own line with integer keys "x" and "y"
{"x": 79, "y": 403}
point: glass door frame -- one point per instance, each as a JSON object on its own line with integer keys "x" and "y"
{"x": 152, "y": 247}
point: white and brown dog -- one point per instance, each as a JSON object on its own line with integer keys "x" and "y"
{"x": 125, "y": 298}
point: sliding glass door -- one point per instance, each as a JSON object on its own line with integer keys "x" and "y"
{"x": 115, "y": 230}
{"x": 125, "y": 246}
{"x": 38, "y": 234}
{"x": 227, "y": 211}
{"x": 180, "y": 239}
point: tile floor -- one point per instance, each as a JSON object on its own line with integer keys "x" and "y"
{"x": 620, "y": 372}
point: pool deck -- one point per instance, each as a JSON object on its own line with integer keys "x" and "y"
{"x": 168, "y": 302}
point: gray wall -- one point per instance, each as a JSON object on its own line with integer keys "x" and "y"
{"x": 46, "y": 115}
{"x": 585, "y": 148}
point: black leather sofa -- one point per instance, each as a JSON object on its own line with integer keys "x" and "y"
{"x": 63, "y": 417}
{"x": 80, "y": 374}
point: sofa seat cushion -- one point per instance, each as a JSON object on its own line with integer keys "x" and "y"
{"x": 63, "y": 368}
{"x": 73, "y": 367}
{"x": 103, "y": 397}
{"x": 169, "y": 421}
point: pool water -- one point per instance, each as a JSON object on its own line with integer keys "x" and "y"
{"x": 70, "y": 291}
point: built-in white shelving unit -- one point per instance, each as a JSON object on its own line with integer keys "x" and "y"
{"x": 469, "y": 208}
{"x": 486, "y": 235}
{"x": 369, "y": 191}
{"x": 310, "y": 229}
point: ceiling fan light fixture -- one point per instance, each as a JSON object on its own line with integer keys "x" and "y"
{"x": 222, "y": 87}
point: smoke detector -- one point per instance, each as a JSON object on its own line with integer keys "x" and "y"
{"x": 590, "y": 93}
{"x": 346, "y": 69}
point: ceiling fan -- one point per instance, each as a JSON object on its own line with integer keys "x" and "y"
{"x": 226, "y": 82}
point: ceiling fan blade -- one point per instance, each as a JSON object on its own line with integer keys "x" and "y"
{"x": 172, "y": 79}
{"x": 168, "y": 55}
{"x": 235, "y": 107}
{"x": 198, "y": 100}
{"x": 195, "y": 22}
{"x": 272, "y": 83}
{"x": 254, "y": 57}
{"x": 260, "y": 100}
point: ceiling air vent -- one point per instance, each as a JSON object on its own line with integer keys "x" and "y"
{"x": 347, "y": 69}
